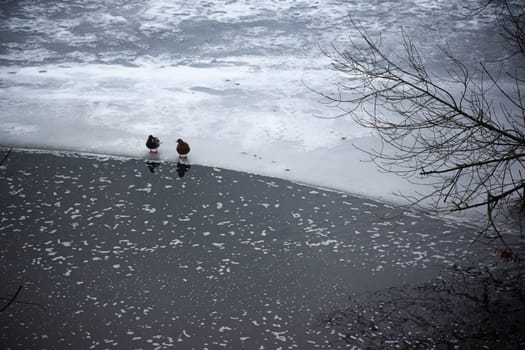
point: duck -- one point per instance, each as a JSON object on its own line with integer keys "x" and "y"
{"x": 153, "y": 144}
{"x": 182, "y": 148}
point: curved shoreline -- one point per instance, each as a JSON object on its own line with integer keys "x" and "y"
{"x": 463, "y": 220}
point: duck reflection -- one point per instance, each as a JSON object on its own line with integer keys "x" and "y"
{"x": 152, "y": 166}
{"x": 182, "y": 168}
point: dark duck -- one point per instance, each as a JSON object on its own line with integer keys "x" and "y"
{"x": 182, "y": 148}
{"x": 153, "y": 144}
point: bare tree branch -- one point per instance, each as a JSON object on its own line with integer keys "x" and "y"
{"x": 464, "y": 132}
{"x": 12, "y": 299}
{"x": 6, "y": 156}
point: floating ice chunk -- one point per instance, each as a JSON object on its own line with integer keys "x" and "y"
{"x": 149, "y": 209}
{"x": 325, "y": 243}
{"x": 146, "y": 189}
{"x": 279, "y": 336}
{"x": 175, "y": 242}
{"x": 419, "y": 255}
{"x": 50, "y": 251}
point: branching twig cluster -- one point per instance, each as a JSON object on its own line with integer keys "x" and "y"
{"x": 464, "y": 132}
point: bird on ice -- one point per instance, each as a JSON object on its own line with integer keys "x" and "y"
{"x": 153, "y": 144}
{"x": 182, "y": 148}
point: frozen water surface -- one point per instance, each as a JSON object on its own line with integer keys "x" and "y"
{"x": 117, "y": 253}
{"x": 123, "y": 253}
{"x": 229, "y": 76}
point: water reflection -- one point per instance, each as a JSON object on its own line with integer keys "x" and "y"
{"x": 182, "y": 168}
{"x": 152, "y": 165}
{"x": 474, "y": 307}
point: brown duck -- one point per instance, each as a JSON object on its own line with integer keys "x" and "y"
{"x": 182, "y": 148}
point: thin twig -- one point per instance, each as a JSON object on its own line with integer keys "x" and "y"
{"x": 7, "y": 155}
{"x": 12, "y": 299}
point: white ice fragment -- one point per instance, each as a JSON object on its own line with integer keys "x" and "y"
{"x": 146, "y": 189}
{"x": 325, "y": 243}
{"x": 175, "y": 242}
{"x": 279, "y": 336}
{"x": 419, "y": 255}
{"x": 149, "y": 209}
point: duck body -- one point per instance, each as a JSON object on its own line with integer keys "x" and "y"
{"x": 182, "y": 148}
{"x": 153, "y": 143}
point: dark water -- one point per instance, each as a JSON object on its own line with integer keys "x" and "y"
{"x": 119, "y": 253}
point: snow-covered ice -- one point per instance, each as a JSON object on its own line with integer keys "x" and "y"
{"x": 230, "y": 77}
